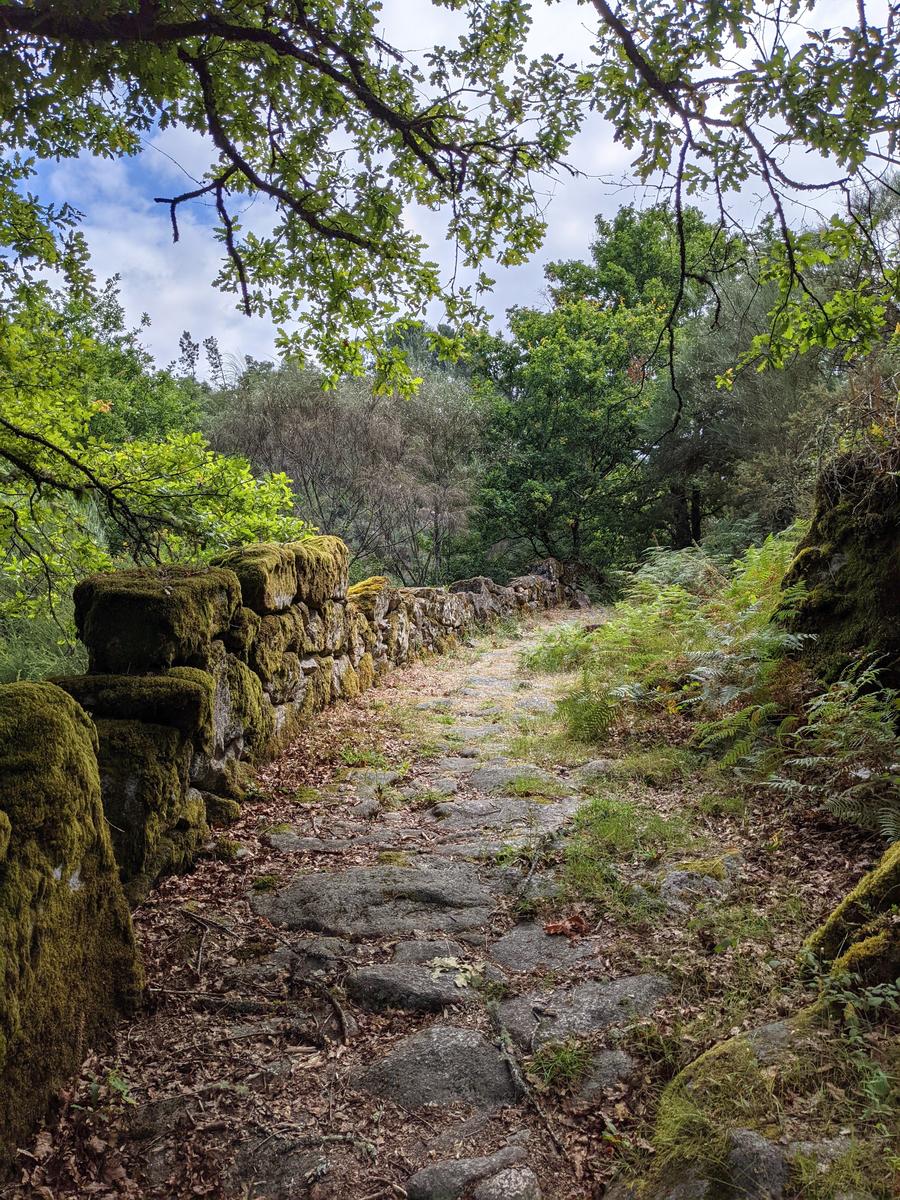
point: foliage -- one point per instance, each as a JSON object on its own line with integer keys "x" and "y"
{"x": 312, "y": 111}
{"x": 691, "y": 636}
{"x": 562, "y": 427}
{"x": 98, "y": 464}
{"x": 846, "y": 754}
{"x": 392, "y": 477}
{"x": 559, "y": 1064}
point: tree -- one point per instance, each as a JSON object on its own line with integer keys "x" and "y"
{"x": 562, "y": 432}
{"x": 392, "y": 476}
{"x": 306, "y": 106}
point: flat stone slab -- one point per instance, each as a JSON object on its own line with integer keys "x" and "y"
{"x": 592, "y": 1007}
{"x": 515, "y": 1183}
{"x": 528, "y": 948}
{"x": 426, "y": 952}
{"x": 680, "y": 891}
{"x": 449, "y": 1180}
{"x": 380, "y": 901}
{"x": 441, "y": 1065}
{"x": 418, "y": 988}
{"x": 504, "y": 812}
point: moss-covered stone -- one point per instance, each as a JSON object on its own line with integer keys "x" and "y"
{"x": 876, "y": 893}
{"x": 68, "y": 963}
{"x": 365, "y": 672}
{"x": 156, "y": 827}
{"x": 250, "y": 717}
{"x": 372, "y": 597}
{"x": 322, "y": 565}
{"x": 241, "y": 635}
{"x": 849, "y": 563}
{"x": 277, "y": 635}
{"x": 181, "y": 697}
{"x": 220, "y": 810}
{"x": 267, "y": 574}
{"x": 139, "y": 620}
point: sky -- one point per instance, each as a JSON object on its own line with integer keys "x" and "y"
{"x": 130, "y": 235}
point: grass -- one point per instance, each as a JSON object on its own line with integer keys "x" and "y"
{"x": 534, "y": 787}
{"x": 265, "y": 883}
{"x": 656, "y": 766}
{"x": 306, "y": 795}
{"x": 559, "y": 1064}
{"x": 355, "y": 756}
{"x": 621, "y": 828}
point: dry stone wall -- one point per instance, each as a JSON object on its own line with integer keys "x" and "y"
{"x": 195, "y": 673}
{"x": 68, "y": 964}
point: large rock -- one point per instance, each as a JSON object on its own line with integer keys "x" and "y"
{"x": 267, "y": 574}
{"x": 442, "y": 1065}
{"x": 589, "y": 1008}
{"x": 381, "y": 901}
{"x": 515, "y": 1183}
{"x": 528, "y": 948}
{"x": 449, "y": 1180}
{"x": 417, "y": 988}
{"x": 147, "y": 619}
{"x": 849, "y": 563}
{"x": 68, "y": 964}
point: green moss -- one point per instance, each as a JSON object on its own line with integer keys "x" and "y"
{"x": 371, "y": 597}
{"x": 157, "y": 822}
{"x": 226, "y": 850}
{"x": 267, "y": 574}
{"x": 849, "y": 564}
{"x": 68, "y": 963}
{"x": 5, "y": 834}
{"x": 139, "y": 620}
{"x": 322, "y": 564}
{"x": 714, "y": 868}
{"x": 220, "y": 810}
{"x": 874, "y": 958}
{"x": 249, "y": 711}
{"x": 877, "y": 892}
{"x": 265, "y": 883}
{"x": 181, "y": 697}
{"x": 242, "y": 632}
{"x": 365, "y": 671}
{"x": 275, "y": 637}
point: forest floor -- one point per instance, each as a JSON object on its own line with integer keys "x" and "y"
{"x": 441, "y": 931}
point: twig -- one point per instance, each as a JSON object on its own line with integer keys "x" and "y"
{"x": 208, "y": 922}
{"x": 508, "y": 1050}
{"x": 319, "y": 988}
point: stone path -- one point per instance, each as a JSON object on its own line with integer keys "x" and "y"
{"x": 422, "y": 927}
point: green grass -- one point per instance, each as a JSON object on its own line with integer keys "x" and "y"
{"x": 355, "y": 756}
{"x": 559, "y": 1064}
{"x": 620, "y": 828}
{"x": 533, "y": 787}
{"x": 656, "y": 766}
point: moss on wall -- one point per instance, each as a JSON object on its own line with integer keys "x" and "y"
{"x": 154, "y": 826}
{"x": 322, "y": 565}
{"x": 139, "y": 620}
{"x": 181, "y": 697}
{"x": 849, "y": 564}
{"x": 67, "y": 957}
{"x": 372, "y": 597}
{"x": 267, "y": 573}
{"x": 241, "y": 635}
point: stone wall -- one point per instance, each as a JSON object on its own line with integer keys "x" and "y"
{"x": 197, "y": 672}
{"x": 68, "y": 965}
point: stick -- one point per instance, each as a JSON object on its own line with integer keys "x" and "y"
{"x": 507, "y": 1049}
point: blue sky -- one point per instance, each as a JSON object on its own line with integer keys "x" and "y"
{"x": 130, "y": 235}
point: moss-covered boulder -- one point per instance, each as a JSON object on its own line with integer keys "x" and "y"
{"x": 862, "y": 935}
{"x": 181, "y": 697}
{"x": 155, "y": 825}
{"x": 267, "y": 573}
{"x": 140, "y": 620}
{"x": 372, "y": 597}
{"x": 68, "y": 965}
{"x": 322, "y": 566}
{"x": 849, "y": 565}
{"x": 241, "y": 635}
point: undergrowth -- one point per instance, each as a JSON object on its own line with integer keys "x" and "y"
{"x": 702, "y": 645}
